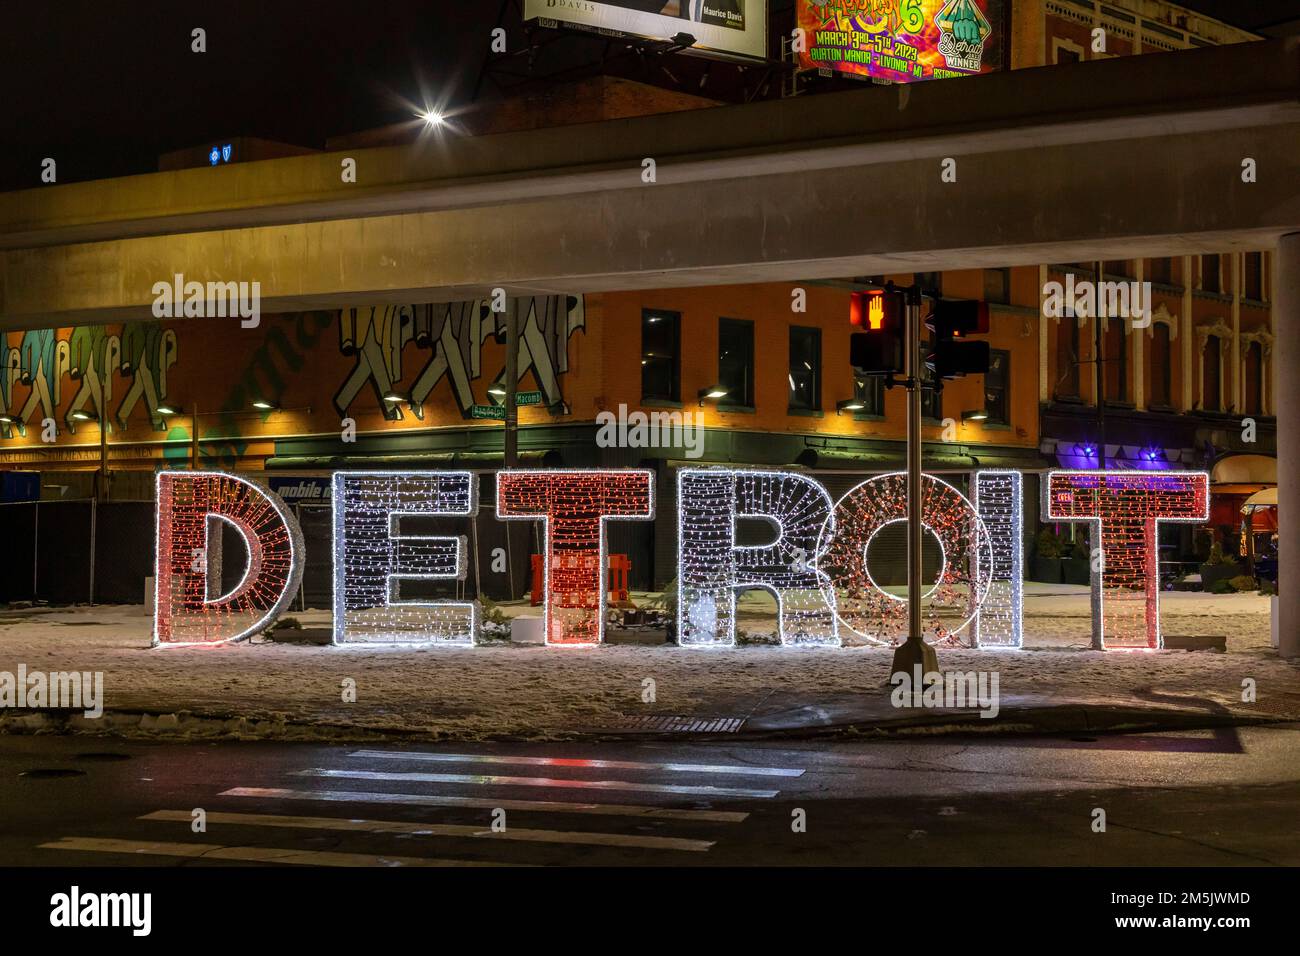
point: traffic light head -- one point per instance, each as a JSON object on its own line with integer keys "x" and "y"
{"x": 951, "y": 321}
{"x": 953, "y": 318}
{"x": 881, "y": 317}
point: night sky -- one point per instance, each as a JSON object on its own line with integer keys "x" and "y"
{"x": 105, "y": 88}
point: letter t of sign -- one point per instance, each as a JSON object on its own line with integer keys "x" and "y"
{"x": 575, "y": 506}
{"x": 1127, "y": 507}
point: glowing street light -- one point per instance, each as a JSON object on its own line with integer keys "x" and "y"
{"x": 712, "y": 392}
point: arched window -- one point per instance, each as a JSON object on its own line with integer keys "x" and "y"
{"x": 1254, "y": 379}
{"x": 1116, "y": 371}
{"x": 1067, "y": 358}
{"x": 1162, "y": 385}
{"x": 1212, "y": 374}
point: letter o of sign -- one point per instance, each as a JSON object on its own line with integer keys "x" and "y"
{"x": 871, "y": 612}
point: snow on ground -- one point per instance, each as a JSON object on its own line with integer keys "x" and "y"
{"x": 504, "y": 689}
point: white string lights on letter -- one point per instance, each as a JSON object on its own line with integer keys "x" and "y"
{"x": 712, "y": 569}
{"x": 193, "y": 507}
{"x": 1126, "y": 507}
{"x": 870, "y": 611}
{"x": 998, "y": 500}
{"x": 574, "y": 506}
{"x": 374, "y": 553}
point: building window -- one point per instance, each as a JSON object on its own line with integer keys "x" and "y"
{"x": 1253, "y": 278}
{"x": 1211, "y": 363}
{"x": 997, "y": 286}
{"x": 1161, "y": 271}
{"x": 1210, "y": 278}
{"x": 870, "y": 391}
{"x": 1067, "y": 54}
{"x": 1116, "y": 368}
{"x": 1067, "y": 359}
{"x": 1119, "y": 267}
{"x": 931, "y": 398}
{"x": 932, "y": 404}
{"x": 805, "y": 368}
{"x": 736, "y": 361}
{"x": 1254, "y": 379}
{"x": 661, "y": 357}
{"x": 997, "y": 388}
{"x": 1161, "y": 375}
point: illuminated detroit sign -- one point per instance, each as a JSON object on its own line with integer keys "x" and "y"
{"x": 816, "y": 563}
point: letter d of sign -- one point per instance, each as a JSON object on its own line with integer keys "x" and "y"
{"x": 193, "y": 509}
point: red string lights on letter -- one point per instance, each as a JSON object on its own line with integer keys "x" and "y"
{"x": 574, "y": 506}
{"x": 192, "y": 509}
{"x": 1127, "y": 506}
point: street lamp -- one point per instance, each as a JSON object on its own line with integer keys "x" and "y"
{"x": 101, "y": 477}
{"x": 712, "y": 392}
{"x": 850, "y": 405}
{"x": 263, "y": 405}
{"x": 975, "y": 415}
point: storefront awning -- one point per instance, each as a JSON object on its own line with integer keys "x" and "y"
{"x": 1245, "y": 470}
{"x": 1261, "y": 499}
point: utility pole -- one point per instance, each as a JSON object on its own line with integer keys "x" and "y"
{"x": 102, "y": 489}
{"x": 512, "y": 384}
{"x": 914, "y": 651}
{"x": 194, "y": 437}
{"x": 1100, "y": 364}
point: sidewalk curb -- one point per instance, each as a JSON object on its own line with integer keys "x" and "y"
{"x": 1043, "y": 721}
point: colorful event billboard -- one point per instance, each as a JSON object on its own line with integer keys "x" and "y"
{"x": 733, "y": 28}
{"x": 902, "y": 40}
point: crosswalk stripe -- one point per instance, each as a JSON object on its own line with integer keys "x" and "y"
{"x": 437, "y": 830}
{"x": 731, "y": 769}
{"x": 248, "y": 854}
{"x": 496, "y": 781}
{"x": 542, "y": 806}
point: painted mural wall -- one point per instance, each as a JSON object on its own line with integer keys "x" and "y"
{"x": 318, "y": 369}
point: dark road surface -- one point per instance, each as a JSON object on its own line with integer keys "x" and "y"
{"x": 1217, "y": 798}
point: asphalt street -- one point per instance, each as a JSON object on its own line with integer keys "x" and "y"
{"x": 1215, "y": 798}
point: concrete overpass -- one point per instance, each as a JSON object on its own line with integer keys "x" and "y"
{"x": 1124, "y": 157}
{"x": 1129, "y": 157}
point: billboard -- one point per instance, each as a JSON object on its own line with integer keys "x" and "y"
{"x": 732, "y": 28}
{"x": 902, "y": 41}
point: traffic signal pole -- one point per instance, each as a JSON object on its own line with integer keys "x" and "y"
{"x": 914, "y": 650}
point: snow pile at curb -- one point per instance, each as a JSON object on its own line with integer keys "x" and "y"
{"x": 297, "y": 691}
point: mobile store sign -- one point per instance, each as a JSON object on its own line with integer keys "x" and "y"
{"x": 902, "y": 41}
{"x": 729, "y": 28}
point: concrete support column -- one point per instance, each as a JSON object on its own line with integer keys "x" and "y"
{"x": 1286, "y": 378}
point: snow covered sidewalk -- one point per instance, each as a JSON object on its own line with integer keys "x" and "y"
{"x": 262, "y": 689}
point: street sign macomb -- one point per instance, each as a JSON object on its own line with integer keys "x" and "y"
{"x": 816, "y": 566}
